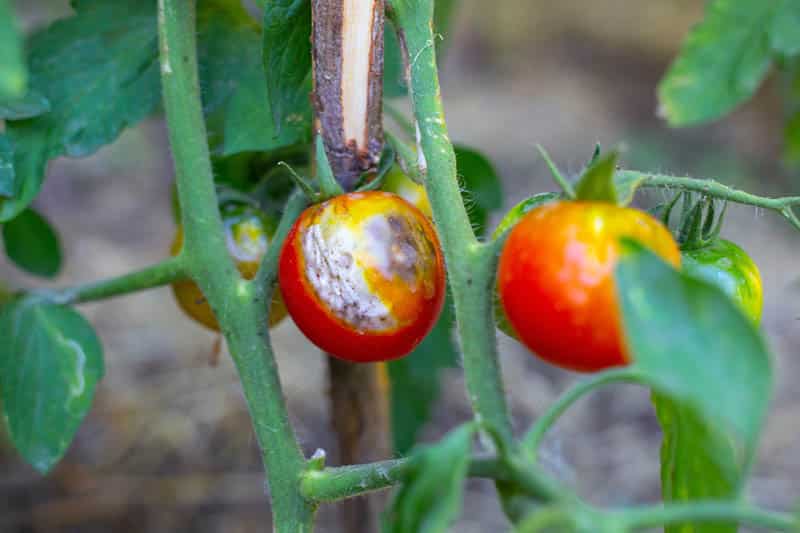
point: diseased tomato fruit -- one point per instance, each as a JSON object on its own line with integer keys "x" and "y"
{"x": 726, "y": 265}
{"x": 398, "y": 183}
{"x": 556, "y": 279}
{"x": 247, "y": 235}
{"x": 363, "y": 276}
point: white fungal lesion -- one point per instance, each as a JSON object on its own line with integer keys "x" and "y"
{"x": 338, "y": 278}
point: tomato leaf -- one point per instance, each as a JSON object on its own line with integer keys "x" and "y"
{"x": 99, "y": 72}
{"x": 13, "y": 74}
{"x": 709, "y": 366}
{"x": 50, "y": 362}
{"x": 8, "y": 183}
{"x": 429, "y": 499}
{"x": 29, "y": 105}
{"x": 415, "y": 380}
{"x": 481, "y": 188}
{"x": 287, "y": 57}
{"x": 725, "y": 58}
{"x": 32, "y": 244}
{"x": 597, "y": 181}
{"x": 697, "y": 462}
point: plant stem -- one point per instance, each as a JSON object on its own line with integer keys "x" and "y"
{"x": 533, "y": 438}
{"x": 237, "y": 304}
{"x": 782, "y": 206}
{"x": 156, "y": 275}
{"x": 682, "y": 513}
{"x": 471, "y": 264}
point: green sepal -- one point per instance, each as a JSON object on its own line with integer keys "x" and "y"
{"x": 597, "y": 182}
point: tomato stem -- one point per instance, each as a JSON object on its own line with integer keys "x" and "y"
{"x": 239, "y": 307}
{"x": 697, "y": 512}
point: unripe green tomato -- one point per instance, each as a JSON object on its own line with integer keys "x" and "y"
{"x": 247, "y": 236}
{"x": 398, "y": 183}
{"x": 725, "y": 265}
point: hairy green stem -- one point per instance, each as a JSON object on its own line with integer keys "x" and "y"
{"x": 156, "y": 275}
{"x": 533, "y": 438}
{"x": 782, "y": 206}
{"x": 470, "y": 264}
{"x": 239, "y": 306}
{"x": 682, "y": 513}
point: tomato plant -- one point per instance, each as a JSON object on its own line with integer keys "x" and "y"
{"x": 252, "y": 105}
{"x": 363, "y": 276}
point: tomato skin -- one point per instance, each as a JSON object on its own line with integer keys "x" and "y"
{"x": 363, "y": 276}
{"x": 556, "y": 280}
{"x": 247, "y": 237}
{"x": 725, "y": 265}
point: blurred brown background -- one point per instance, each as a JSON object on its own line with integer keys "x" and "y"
{"x": 168, "y": 446}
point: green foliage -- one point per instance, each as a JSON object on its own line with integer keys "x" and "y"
{"x": 30, "y": 105}
{"x": 98, "y": 71}
{"x": 7, "y": 181}
{"x": 726, "y": 56}
{"x": 430, "y": 497}
{"x": 415, "y": 380}
{"x": 697, "y": 462}
{"x": 597, "y": 182}
{"x": 481, "y": 188}
{"x": 287, "y": 58}
{"x": 50, "y": 362}
{"x": 32, "y": 244}
{"x": 394, "y": 74}
{"x": 13, "y": 74}
{"x": 709, "y": 366}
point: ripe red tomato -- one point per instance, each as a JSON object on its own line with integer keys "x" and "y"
{"x": 247, "y": 235}
{"x": 556, "y": 279}
{"x": 363, "y": 276}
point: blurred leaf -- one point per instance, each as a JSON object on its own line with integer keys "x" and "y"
{"x": 697, "y": 463}
{"x": 626, "y": 182}
{"x": 7, "y": 177}
{"x": 287, "y": 58}
{"x": 50, "y": 362}
{"x": 481, "y": 188}
{"x": 597, "y": 181}
{"x": 784, "y": 34}
{"x": 13, "y": 74}
{"x": 394, "y": 76}
{"x": 726, "y": 56}
{"x": 430, "y": 497}
{"x": 98, "y": 70}
{"x": 415, "y": 380}
{"x": 32, "y": 244}
{"x": 29, "y": 105}
{"x": 708, "y": 364}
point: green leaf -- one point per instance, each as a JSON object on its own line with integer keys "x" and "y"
{"x": 429, "y": 499}
{"x": 726, "y": 56}
{"x": 8, "y": 183}
{"x": 13, "y": 74}
{"x": 697, "y": 350}
{"x": 527, "y": 205}
{"x": 784, "y": 33}
{"x": 394, "y": 76}
{"x": 415, "y": 380}
{"x": 697, "y": 463}
{"x": 99, "y": 72}
{"x": 287, "y": 57}
{"x": 626, "y": 182}
{"x": 50, "y": 362}
{"x": 481, "y": 188}
{"x": 32, "y": 244}
{"x": 597, "y": 181}
{"x": 29, "y": 105}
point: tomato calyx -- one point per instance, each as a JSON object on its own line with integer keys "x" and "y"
{"x": 698, "y": 225}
